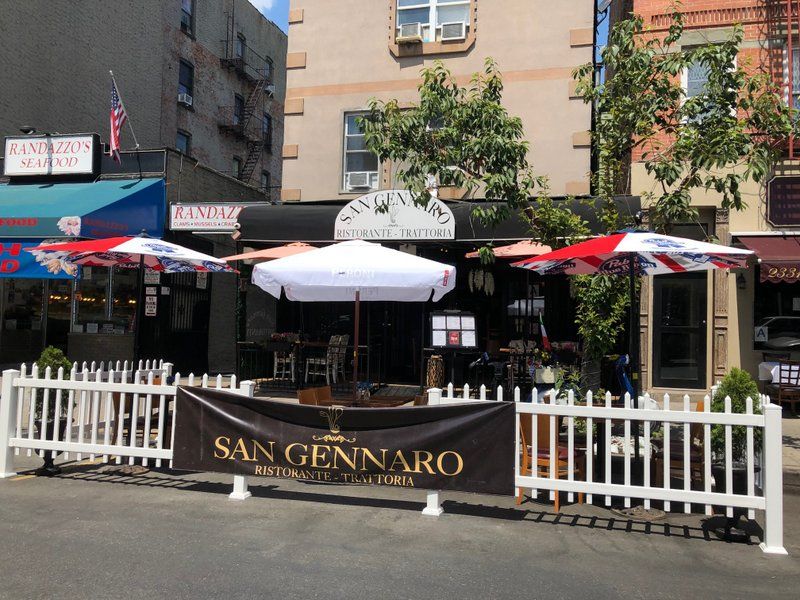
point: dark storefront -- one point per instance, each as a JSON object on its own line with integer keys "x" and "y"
{"x": 397, "y": 335}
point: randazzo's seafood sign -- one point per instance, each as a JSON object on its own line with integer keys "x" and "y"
{"x": 467, "y": 447}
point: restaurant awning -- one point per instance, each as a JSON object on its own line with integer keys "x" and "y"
{"x": 314, "y": 222}
{"x": 779, "y": 256}
{"x": 101, "y": 209}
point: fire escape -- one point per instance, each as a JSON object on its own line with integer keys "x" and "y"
{"x": 782, "y": 18}
{"x": 242, "y": 120}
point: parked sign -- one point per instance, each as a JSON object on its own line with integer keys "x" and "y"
{"x": 393, "y": 215}
{"x": 50, "y": 155}
{"x": 465, "y": 447}
{"x": 204, "y": 217}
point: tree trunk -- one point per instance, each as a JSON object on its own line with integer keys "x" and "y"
{"x": 590, "y": 374}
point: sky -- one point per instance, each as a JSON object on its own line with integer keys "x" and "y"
{"x": 275, "y": 10}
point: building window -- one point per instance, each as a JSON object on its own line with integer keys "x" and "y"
{"x": 360, "y": 165}
{"x": 795, "y": 77}
{"x": 266, "y": 132}
{"x": 696, "y": 79}
{"x": 268, "y": 69}
{"x": 240, "y": 45}
{"x": 238, "y": 109}
{"x": 265, "y": 183}
{"x": 186, "y": 78}
{"x": 237, "y": 167}
{"x": 439, "y": 20}
{"x": 183, "y": 142}
{"x": 187, "y": 16}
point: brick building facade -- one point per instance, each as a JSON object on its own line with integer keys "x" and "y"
{"x": 694, "y": 328}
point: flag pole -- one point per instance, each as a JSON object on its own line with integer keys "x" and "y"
{"x": 123, "y": 103}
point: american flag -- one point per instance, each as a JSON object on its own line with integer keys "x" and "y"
{"x": 118, "y": 118}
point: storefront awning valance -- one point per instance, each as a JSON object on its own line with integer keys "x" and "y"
{"x": 90, "y": 210}
{"x": 779, "y": 256}
{"x": 315, "y": 222}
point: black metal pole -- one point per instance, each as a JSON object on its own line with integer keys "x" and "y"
{"x": 137, "y": 336}
{"x": 633, "y": 343}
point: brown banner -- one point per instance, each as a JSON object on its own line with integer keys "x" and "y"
{"x": 468, "y": 447}
{"x": 781, "y": 271}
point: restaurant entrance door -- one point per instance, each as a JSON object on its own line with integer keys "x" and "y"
{"x": 679, "y": 330}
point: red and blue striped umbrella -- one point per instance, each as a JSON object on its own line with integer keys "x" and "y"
{"x": 652, "y": 254}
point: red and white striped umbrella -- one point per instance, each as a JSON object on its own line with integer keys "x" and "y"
{"x": 155, "y": 254}
{"x": 653, "y": 254}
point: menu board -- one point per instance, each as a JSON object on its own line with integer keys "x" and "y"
{"x": 453, "y": 329}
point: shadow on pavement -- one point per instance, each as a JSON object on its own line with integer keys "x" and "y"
{"x": 706, "y": 531}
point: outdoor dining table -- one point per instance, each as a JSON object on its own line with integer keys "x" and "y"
{"x": 769, "y": 371}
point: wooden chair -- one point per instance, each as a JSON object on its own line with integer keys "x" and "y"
{"x": 789, "y": 384}
{"x": 308, "y": 396}
{"x": 696, "y": 456}
{"x": 543, "y": 455}
{"x": 321, "y": 366}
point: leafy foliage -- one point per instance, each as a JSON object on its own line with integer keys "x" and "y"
{"x": 458, "y": 137}
{"x": 730, "y": 132}
{"x": 739, "y": 386}
{"x": 54, "y": 358}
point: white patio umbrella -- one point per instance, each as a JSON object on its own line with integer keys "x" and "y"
{"x": 355, "y": 270}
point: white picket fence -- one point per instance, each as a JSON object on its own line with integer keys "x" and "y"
{"x": 676, "y": 419}
{"x": 121, "y": 416}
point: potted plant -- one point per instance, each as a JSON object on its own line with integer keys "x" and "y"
{"x": 738, "y": 385}
{"x": 54, "y": 358}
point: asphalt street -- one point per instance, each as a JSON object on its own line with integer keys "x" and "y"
{"x": 95, "y": 533}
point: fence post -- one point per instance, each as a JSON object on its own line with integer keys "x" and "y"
{"x": 773, "y": 480}
{"x": 433, "y": 504}
{"x": 8, "y": 417}
{"x": 240, "y": 491}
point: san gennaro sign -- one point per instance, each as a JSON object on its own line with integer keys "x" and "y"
{"x": 37, "y": 155}
{"x": 467, "y": 447}
{"x": 393, "y": 215}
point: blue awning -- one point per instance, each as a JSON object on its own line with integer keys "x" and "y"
{"x": 89, "y": 210}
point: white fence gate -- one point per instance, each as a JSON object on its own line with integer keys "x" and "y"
{"x": 117, "y": 415}
{"x": 553, "y": 465}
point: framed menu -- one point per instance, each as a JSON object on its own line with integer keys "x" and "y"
{"x": 453, "y": 329}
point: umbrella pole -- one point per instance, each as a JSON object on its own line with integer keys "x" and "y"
{"x": 137, "y": 336}
{"x": 633, "y": 345}
{"x": 355, "y": 345}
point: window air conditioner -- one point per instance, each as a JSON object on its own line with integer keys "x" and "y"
{"x": 358, "y": 180}
{"x": 185, "y": 99}
{"x": 454, "y": 31}
{"x": 410, "y": 33}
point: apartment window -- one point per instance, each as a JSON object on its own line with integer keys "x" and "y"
{"x": 266, "y": 132}
{"x": 360, "y": 165}
{"x": 439, "y": 20}
{"x": 186, "y": 78}
{"x": 268, "y": 69}
{"x": 241, "y": 43}
{"x": 237, "y": 167}
{"x": 183, "y": 142}
{"x": 187, "y": 16}
{"x": 696, "y": 79}
{"x": 265, "y": 183}
{"x": 795, "y": 77}
{"x": 238, "y": 109}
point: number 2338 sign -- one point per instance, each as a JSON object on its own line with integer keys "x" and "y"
{"x": 780, "y": 272}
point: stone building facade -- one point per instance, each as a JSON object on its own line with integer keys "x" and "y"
{"x": 58, "y": 55}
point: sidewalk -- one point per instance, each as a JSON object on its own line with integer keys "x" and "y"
{"x": 791, "y": 452}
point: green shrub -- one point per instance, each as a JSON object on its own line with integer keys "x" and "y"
{"x": 738, "y": 385}
{"x": 54, "y": 358}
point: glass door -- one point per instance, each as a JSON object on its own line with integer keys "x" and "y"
{"x": 680, "y": 330}
{"x": 21, "y": 320}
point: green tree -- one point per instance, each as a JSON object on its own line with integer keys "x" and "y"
{"x": 456, "y": 136}
{"x": 730, "y": 132}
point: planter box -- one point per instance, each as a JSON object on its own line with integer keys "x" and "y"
{"x": 546, "y": 374}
